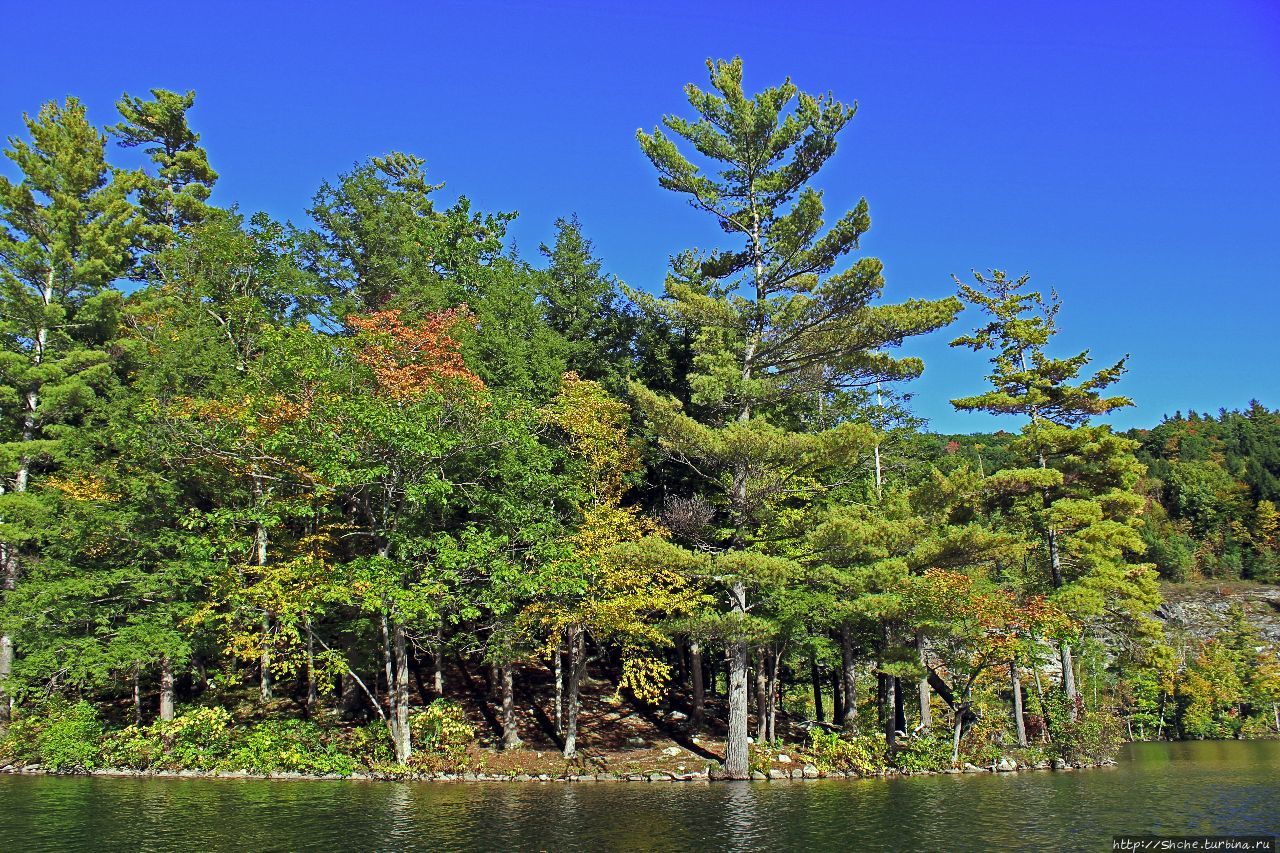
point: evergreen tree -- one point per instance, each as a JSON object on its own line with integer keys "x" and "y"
{"x": 65, "y": 231}
{"x": 1079, "y": 497}
{"x": 771, "y": 324}
{"x": 175, "y": 197}
{"x": 583, "y": 306}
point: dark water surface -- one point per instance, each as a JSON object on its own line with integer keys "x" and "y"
{"x": 1183, "y": 788}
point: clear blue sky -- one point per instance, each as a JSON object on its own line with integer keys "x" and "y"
{"x": 1126, "y": 153}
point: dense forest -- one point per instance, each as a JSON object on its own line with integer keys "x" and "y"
{"x": 377, "y": 491}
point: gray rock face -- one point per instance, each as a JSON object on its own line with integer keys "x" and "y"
{"x": 1203, "y": 611}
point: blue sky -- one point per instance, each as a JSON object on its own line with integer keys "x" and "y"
{"x": 1126, "y": 153}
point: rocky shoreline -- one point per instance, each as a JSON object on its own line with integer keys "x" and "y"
{"x": 807, "y": 772}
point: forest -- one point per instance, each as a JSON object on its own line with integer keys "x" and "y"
{"x": 377, "y": 492}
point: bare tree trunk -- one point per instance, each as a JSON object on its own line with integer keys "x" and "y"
{"x": 313, "y": 694}
{"x": 437, "y": 674}
{"x": 577, "y": 669}
{"x": 510, "y": 735}
{"x": 260, "y": 560}
{"x": 926, "y": 708}
{"x": 1019, "y": 724}
{"x": 837, "y": 695}
{"x": 1069, "y": 679}
{"x": 8, "y": 583}
{"x": 955, "y": 739}
{"x": 558, "y": 669}
{"x": 166, "y": 689}
{"x": 137, "y": 694}
{"x": 774, "y": 694}
{"x": 849, "y": 701}
{"x": 736, "y": 762}
{"x": 400, "y": 693}
{"x": 890, "y": 711}
{"x": 699, "y": 691}
{"x": 762, "y": 701}
{"x": 815, "y": 676}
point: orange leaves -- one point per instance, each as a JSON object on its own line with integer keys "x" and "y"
{"x": 411, "y": 359}
{"x": 996, "y": 614}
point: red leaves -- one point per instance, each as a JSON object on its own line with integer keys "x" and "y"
{"x": 411, "y": 359}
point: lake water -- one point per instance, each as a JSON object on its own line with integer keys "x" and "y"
{"x": 1182, "y": 788}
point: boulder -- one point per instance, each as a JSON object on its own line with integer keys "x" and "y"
{"x": 636, "y": 743}
{"x": 783, "y": 758}
{"x": 810, "y": 771}
{"x": 775, "y": 773}
{"x": 672, "y": 751}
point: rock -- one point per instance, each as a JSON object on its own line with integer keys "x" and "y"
{"x": 1059, "y": 764}
{"x": 636, "y": 743}
{"x": 677, "y": 717}
{"x": 971, "y": 768}
{"x": 659, "y": 777}
{"x": 775, "y": 773}
{"x": 757, "y": 776}
{"x": 810, "y": 771}
{"x": 1006, "y": 765}
{"x": 783, "y": 758}
{"x": 672, "y": 751}
{"x": 1041, "y": 765}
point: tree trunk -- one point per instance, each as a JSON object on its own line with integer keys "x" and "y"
{"x": 8, "y": 582}
{"x": 559, "y": 675}
{"x": 137, "y": 694}
{"x": 437, "y": 674}
{"x": 762, "y": 700}
{"x": 890, "y": 710}
{"x": 955, "y": 739}
{"x": 260, "y": 560}
{"x": 849, "y": 700}
{"x": 774, "y": 694}
{"x": 699, "y": 690}
{"x": 815, "y": 676}
{"x": 837, "y": 696}
{"x": 926, "y": 708}
{"x": 736, "y": 763}
{"x": 1019, "y": 724}
{"x": 400, "y": 693}
{"x": 510, "y": 734}
{"x": 577, "y": 669}
{"x": 899, "y": 707}
{"x": 1069, "y": 680}
{"x": 166, "y": 689}
{"x": 313, "y": 694}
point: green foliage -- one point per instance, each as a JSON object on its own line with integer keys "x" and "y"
{"x": 862, "y": 754}
{"x": 928, "y": 751}
{"x": 443, "y": 728}
{"x": 58, "y": 736}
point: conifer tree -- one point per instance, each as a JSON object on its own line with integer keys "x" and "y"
{"x": 771, "y": 324}
{"x": 175, "y": 197}
{"x": 1076, "y": 489}
{"x": 65, "y": 231}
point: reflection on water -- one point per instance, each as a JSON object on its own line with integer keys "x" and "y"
{"x": 1158, "y": 788}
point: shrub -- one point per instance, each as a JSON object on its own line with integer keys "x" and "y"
{"x": 848, "y": 754}
{"x": 287, "y": 745}
{"x": 59, "y": 736}
{"x": 927, "y": 751}
{"x": 443, "y": 729}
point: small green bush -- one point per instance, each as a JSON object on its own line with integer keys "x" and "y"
{"x": 443, "y": 728}
{"x": 927, "y": 751}
{"x": 861, "y": 754}
{"x": 61, "y": 737}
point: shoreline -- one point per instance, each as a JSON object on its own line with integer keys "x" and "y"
{"x": 806, "y": 773}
